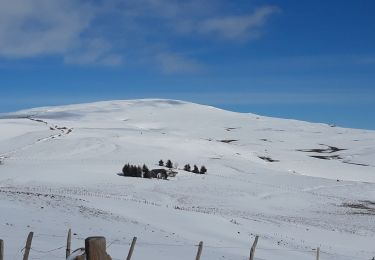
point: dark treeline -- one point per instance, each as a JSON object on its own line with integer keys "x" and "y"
{"x": 130, "y": 170}
{"x": 168, "y": 164}
{"x": 195, "y": 169}
{"x": 187, "y": 167}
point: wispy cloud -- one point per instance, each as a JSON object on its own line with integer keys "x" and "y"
{"x": 240, "y": 26}
{"x": 103, "y": 33}
{"x": 38, "y": 27}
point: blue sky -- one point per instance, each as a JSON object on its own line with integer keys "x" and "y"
{"x": 309, "y": 60}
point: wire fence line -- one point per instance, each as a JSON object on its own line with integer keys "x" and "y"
{"x": 52, "y": 253}
{"x": 48, "y": 251}
{"x": 18, "y": 252}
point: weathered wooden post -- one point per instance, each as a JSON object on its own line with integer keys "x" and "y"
{"x": 81, "y": 257}
{"x": 252, "y": 250}
{"x": 317, "y": 253}
{"x": 1, "y": 249}
{"x": 28, "y": 246}
{"x": 131, "y": 248}
{"x": 200, "y": 247}
{"x": 68, "y": 242}
{"x": 95, "y": 248}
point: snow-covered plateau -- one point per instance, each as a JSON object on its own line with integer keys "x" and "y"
{"x": 297, "y": 185}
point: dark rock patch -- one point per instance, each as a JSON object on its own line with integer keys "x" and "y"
{"x": 327, "y": 157}
{"x": 227, "y": 141}
{"x": 267, "y": 159}
{"x": 329, "y": 149}
{"x": 362, "y": 207}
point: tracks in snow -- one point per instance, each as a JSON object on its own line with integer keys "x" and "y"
{"x": 63, "y": 131}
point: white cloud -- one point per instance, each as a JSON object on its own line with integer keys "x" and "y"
{"x": 102, "y": 32}
{"x": 237, "y": 27}
{"x": 196, "y": 16}
{"x": 36, "y": 27}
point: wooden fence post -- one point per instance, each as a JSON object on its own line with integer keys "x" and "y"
{"x": 1, "y": 249}
{"x": 317, "y": 253}
{"x": 68, "y": 243}
{"x": 252, "y": 250}
{"x": 131, "y": 248}
{"x": 95, "y": 248}
{"x": 200, "y": 247}
{"x": 28, "y": 246}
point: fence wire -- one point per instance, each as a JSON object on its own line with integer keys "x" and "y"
{"x": 43, "y": 254}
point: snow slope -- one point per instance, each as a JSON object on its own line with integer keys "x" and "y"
{"x": 60, "y": 164}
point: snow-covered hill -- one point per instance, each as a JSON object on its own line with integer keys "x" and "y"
{"x": 298, "y": 185}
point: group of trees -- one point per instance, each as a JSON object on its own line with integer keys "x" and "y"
{"x": 195, "y": 169}
{"x": 136, "y": 171}
{"x": 168, "y": 164}
{"x": 187, "y": 167}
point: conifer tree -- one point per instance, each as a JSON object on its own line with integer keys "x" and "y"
{"x": 145, "y": 169}
{"x": 195, "y": 170}
{"x": 126, "y": 170}
{"x": 187, "y": 168}
{"x": 203, "y": 170}
{"x": 138, "y": 171}
{"x": 169, "y": 164}
{"x": 133, "y": 171}
{"x": 161, "y": 163}
{"x": 147, "y": 175}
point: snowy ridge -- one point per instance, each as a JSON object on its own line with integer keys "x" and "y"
{"x": 298, "y": 185}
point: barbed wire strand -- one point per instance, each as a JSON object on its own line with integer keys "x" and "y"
{"x": 111, "y": 243}
{"x": 18, "y": 252}
{"x": 48, "y": 251}
{"x": 115, "y": 241}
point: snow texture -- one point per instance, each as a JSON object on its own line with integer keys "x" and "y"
{"x": 297, "y": 185}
